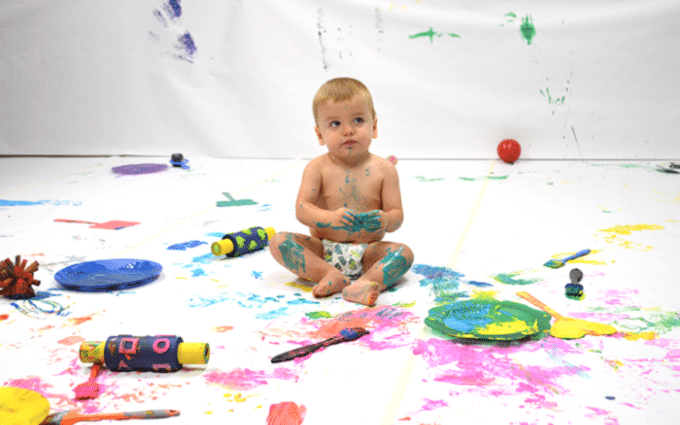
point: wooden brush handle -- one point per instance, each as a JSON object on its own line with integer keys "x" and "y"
{"x": 527, "y": 296}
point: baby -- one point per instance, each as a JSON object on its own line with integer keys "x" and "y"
{"x": 349, "y": 198}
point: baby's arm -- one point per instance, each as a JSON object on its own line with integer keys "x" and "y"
{"x": 306, "y": 209}
{"x": 391, "y": 199}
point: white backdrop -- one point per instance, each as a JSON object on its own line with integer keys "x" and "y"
{"x": 236, "y": 78}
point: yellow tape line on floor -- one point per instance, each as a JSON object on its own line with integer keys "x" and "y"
{"x": 407, "y": 371}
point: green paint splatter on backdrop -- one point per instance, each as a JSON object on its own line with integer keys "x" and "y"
{"x": 432, "y": 34}
{"x": 527, "y": 28}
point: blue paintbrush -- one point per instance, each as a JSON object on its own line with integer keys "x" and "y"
{"x": 347, "y": 334}
{"x": 556, "y": 264}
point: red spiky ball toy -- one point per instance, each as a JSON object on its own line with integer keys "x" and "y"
{"x": 16, "y": 279}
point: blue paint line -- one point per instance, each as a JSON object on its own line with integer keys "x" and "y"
{"x": 274, "y": 314}
{"x": 10, "y": 203}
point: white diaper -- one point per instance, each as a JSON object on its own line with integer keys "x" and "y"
{"x": 345, "y": 257}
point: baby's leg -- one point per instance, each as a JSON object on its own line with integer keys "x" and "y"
{"x": 303, "y": 255}
{"x": 384, "y": 264}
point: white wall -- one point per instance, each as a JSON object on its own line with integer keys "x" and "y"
{"x": 85, "y": 77}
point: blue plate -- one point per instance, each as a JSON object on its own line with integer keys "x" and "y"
{"x": 108, "y": 275}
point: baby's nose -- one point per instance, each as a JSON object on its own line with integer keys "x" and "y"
{"x": 348, "y": 129}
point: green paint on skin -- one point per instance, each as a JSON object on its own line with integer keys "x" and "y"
{"x": 527, "y": 28}
{"x": 368, "y": 221}
{"x": 292, "y": 254}
{"x": 508, "y": 279}
{"x": 395, "y": 266}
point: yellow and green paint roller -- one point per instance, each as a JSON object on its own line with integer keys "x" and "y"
{"x": 243, "y": 242}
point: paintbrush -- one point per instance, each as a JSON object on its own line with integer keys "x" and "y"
{"x": 556, "y": 264}
{"x": 69, "y": 417}
{"x": 89, "y": 389}
{"x": 347, "y": 334}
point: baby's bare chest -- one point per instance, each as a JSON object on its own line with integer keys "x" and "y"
{"x": 357, "y": 190}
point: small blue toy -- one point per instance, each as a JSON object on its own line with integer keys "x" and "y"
{"x": 178, "y": 160}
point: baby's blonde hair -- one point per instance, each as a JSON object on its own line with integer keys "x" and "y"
{"x": 340, "y": 90}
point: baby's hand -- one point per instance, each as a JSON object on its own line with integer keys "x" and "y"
{"x": 371, "y": 222}
{"x": 342, "y": 218}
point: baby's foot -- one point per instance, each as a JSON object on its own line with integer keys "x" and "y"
{"x": 365, "y": 293}
{"x": 330, "y": 284}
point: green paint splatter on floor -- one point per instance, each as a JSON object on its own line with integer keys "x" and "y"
{"x": 318, "y": 315}
{"x": 471, "y": 179}
{"x": 509, "y": 279}
{"x": 425, "y": 180}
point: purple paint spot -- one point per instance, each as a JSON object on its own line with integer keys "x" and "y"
{"x": 173, "y": 8}
{"x": 186, "y": 46}
{"x": 139, "y": 169}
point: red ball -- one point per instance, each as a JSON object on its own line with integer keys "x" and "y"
{"x": 509, "y": 150}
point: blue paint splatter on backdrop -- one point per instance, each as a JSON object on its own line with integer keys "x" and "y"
{"x": 257, "y": 275}
{"x": 9, "y": 203}
{"x": 198, "y": 272}
{"x": 173, "y": 8}
{"x": 184, "y": 245}
{"x": 186, "y": 46}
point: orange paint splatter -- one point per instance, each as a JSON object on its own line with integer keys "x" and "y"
{"x": 222, "y": 328}
{"x": 70, "y": 340}
{"x": 4, "y": 316}
{"x": 286, "y": 413}
{"x": 80, "y": 320}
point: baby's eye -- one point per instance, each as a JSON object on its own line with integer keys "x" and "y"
{"x": 358, "y": 120}
{"x": 334, "y": 124}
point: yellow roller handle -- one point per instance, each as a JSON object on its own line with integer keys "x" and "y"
{"x": 187, "y": 352}
{"x": 225, "y": 246}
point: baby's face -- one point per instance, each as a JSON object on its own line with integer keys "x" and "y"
{"x": 346, "y": 128}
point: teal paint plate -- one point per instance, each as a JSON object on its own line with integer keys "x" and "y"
{"x": 488, "y": 320}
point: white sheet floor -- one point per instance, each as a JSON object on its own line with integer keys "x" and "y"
{"x": 479, "y": 229}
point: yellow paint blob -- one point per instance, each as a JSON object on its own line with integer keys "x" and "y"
{"x": 628, "y": 229}
{"x": 567, "y": 328}
{"x": 634, "y": 336}
{"x": 514, "y": 326}
{"x": 484, "y": 295}
{"x": 300, "y": 286}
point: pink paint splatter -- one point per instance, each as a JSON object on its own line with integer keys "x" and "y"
{"x": 286, "y": 413}
{"x": 246, "y": 379}
{"x": 434, "y": 404}
{"x": 492, "y": 368}
{"x": 75, "y": 339}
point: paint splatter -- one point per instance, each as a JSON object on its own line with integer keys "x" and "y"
{"x": 71, "y": 340}
{"x": 173, "y": 9}
{"x": 527, "y": 29}
{"x": 186, "y": 47}
{"x": 432, "y": 34}
{"x": 613, "y": 235}
{"x": 471, "y": 179}
{"x": 509, "y": 279}
{"x": 186, "y": 245}
{"x": 427, "y": 180}
{"x": 246, "y": 379}
{"x": 286, "y": 413}
{"x": 10, "y": 203}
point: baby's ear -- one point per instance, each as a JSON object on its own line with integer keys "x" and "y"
{"x": 375, "y": 128}
{"x": 318, "y": 136}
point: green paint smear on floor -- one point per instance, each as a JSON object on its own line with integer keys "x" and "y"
{"x": 405, "y": 305}
{"x": 508, "y": 279}
{"x": 425, "y": 180}
{"x": 647, "y": 320}
{"x": 318, "y": 315}
{"x": 471, "y": 179}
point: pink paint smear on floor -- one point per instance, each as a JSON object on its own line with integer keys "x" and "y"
{"x": 491, "y": 370}
{"x": 246, "y": 379}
